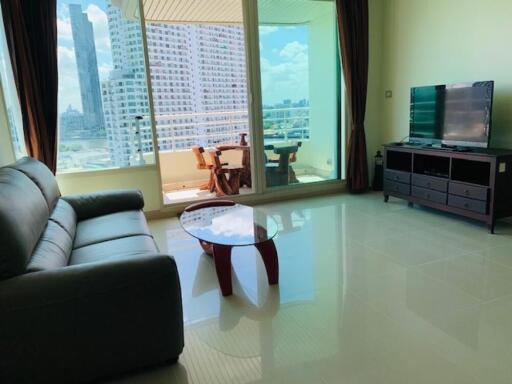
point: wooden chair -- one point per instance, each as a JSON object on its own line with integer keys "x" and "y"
{"x": 201, "y": 164}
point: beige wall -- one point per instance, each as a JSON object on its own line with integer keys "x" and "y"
{"x": 144, "y": 178}
{"x": 445, "y": 41}
{"x": 320, "y": 152}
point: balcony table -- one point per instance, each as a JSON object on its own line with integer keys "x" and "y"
{"x": 245, "y": 177}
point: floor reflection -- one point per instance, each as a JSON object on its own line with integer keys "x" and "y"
{"x": 351, "y": 306}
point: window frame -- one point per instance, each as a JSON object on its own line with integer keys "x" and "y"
{"x": 261, "y": 192}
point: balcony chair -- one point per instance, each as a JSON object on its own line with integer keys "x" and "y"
{"x": 280, "y": 171}
{"x": 201, "y": 164}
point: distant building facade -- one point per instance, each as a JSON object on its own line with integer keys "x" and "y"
{"x": 87, "y": 66}
{"x": 198, "y": 81}
{"x": 72, "y": 125}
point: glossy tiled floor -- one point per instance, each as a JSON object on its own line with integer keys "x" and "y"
{"x": 369, "y": 293}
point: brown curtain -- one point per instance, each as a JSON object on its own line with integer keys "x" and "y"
{"x": 31, "y": 31}
{"x": 353, "y": 34}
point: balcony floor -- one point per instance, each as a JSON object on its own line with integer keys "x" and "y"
{"x": 192, "y": 194}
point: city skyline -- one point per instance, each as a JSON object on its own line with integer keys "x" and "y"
{"x": 198, "y": 80}
{"x": 283, "y": 58}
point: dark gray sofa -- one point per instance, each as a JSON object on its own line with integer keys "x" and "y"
{"x": 84, "y": 292}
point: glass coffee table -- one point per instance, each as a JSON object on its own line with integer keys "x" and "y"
{"x": 220, "y": 225}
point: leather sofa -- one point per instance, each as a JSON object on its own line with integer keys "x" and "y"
{"x": 84, "y": 291}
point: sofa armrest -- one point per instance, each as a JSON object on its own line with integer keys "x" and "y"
{"x": 95, "y": 204}
{"x": 82, "y": 322}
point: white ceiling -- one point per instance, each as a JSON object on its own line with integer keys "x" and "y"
{"x": 226, "y": 11}
{"x": 194, "y": 11}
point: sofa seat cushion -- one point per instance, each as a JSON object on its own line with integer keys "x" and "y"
{"x": 64, "y": 215}
{"x": 118, "y": 249}
{"x": 53, "y": 249}
{"x": 110, "y": 227}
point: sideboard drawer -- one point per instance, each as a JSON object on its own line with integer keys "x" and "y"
{"x": 398, "y": 176}
{"x": 428, "y": 194}
{"x": 392, "y": 187}
{"x": 429, "y": 182}
{"x": 473, "y": 192}
{"x": 478, "y": 206}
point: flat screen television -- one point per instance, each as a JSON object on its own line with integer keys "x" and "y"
{"x": 452, "y": 114}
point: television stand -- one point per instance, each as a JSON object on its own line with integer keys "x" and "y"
{"x": 475, "y": 184}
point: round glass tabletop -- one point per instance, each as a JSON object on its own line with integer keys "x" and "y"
{"x": 235, "y": 225}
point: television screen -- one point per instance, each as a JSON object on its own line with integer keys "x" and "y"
{"x": 455, "y": 114}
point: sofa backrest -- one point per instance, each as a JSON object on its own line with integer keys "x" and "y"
{"x": 29, "y": 195}
{"x": 41, "y": 175}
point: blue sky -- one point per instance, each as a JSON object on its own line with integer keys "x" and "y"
{"x": 284, "y": 63}
{"x": 284, "y": 56}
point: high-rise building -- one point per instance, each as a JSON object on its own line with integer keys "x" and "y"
{"x": 125, "y": 94}
{"x": 199, "y": 87}
{"x": 198, "y": 84}
{"x": 87, "y": 66}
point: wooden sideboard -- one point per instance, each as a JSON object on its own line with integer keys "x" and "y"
{"x": 475, "y": 184}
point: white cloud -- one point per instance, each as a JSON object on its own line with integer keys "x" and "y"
{"x": 64, "y": 29}
{"x": 69, "y": 88}
{"x": 294, "y": 51}
{"x": 104, "y": 71}
{"x": 288, "y": 79}
{"x": 99, "y": 21}
{"x": 267, "y": 29}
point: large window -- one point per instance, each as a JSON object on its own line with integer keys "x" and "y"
{"x": 103, "y": 98}
{"x": 300, "y": 90}
{"x": 204, "y": 109}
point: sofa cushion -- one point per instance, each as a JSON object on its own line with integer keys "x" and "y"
{"x": 110, "y": 227}
{"x": 23, "y": 217}
{"x": 65, "y": 216}
{"x": 41, "y": 175}
{"x": 124, "y": 248}
{"x": 53, "y": 249}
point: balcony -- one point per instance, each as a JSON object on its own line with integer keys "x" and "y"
{"x": 181, "y": 180}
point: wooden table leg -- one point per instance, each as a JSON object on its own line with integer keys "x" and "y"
{"x": 222, "y": 260}
{"x": 207, "y": 247}
{"x": 234, "y": 181}
{"x": 246, "y": 172}
{"x": 268, "y": 253}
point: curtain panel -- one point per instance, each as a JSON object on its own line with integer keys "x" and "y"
{"x": 353, "y": 34}
{"x": 31, "y": 32}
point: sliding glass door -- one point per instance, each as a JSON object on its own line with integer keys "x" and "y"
{"x": 300, "y": 89}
